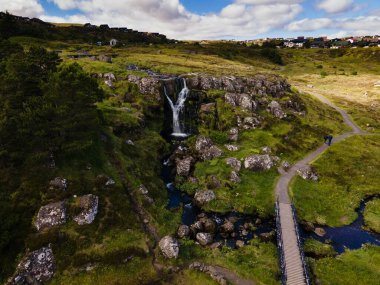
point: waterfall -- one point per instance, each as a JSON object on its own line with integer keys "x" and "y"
{"x": 177, "y": 108}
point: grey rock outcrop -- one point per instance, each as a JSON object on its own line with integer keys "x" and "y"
{"x": 35, "y": 268}
{"x": 275, "y": 108}
{"x": 89, "y": 205}
{"x": 206, "y": 148}
{"x": 169, "y": 247}
{"x": 203, "y": 197}
{"x": 250, "y": 123}
{"x": 109, "y": 79}
{"x": 259, "y": 162}
{"x": 227, "y": 227}
{"x": 234, "y": 177}
{"x": 234, "y": 163}
{"x": 241, "y": 100}
{"x": 58, "y": 183}
{"x": 308, "y": 173}
{"x": 183, "y": 231}
{"x": 51, "y": 215}
{"x": 204, "y": 238}
{"x": 183, "y": 166}
{"x": 147, "y": 85}
{"x": 233, "y": 134}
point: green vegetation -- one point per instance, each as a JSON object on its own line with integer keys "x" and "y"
{"x": 318, "y": 249}
{"x": 348, "y": 173}
{"x": 350, "y": 268}
{"x": 372, "y": 215}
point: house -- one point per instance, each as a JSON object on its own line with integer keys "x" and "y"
{"x": 113, "y": 42}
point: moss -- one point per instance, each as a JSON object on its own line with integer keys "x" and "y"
{"x": 372, "y": 215}
{"x": 318, "y": 249}
{"x": 348, "y": 173}
{"x": 350, "y": 268}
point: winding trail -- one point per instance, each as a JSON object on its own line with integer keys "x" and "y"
{"x": 294, "y": 265}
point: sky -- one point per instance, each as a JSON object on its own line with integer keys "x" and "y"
{"x": 213, "y": 19}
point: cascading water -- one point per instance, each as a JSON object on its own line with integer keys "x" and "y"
{"x": 177, "y": 108}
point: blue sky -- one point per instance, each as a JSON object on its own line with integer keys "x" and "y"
{"x": 214, "y": 19}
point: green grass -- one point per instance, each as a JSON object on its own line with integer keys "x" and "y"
{"x": 372, "y": 215}
{"x": 348, "y": 172}
{"x": 318, "y": 249}
{"x": 354, "y": 267}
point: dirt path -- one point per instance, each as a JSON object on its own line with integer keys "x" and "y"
{"x": 294, "y": 269}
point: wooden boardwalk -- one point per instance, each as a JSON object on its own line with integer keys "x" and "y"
{"x": 292, "y": 255}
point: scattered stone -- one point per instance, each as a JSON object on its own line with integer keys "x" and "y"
{"x": 308, "y": 226}
{"x": 265, "y": 237}
{"x": 217, "y": 244}
{"x": 193, "y": 180}
{"x": 232, "y": 147}
{"x": 105, "y": 58}
{"x": 266, "y": 150}
{"x": 206, "y": 148}
{"x": 308, "y": 173}
{"x": 275, "y": 108}
{"x": 227, "y": 227}
{"x": 130, "y": 142}
{"x": 251, "y": 123}
{"x": 240, "y": 244}
{"x": 184, "y": 166}
{"x": 51, "y": 215}
{"x": 286, "y": 165}
{"x": 58, "y": 183}
{"x": 35, "y": 268}
{"x": 259, "y": 162}
{"x": 234, "y": 163}
{"x": 196, "y": 227}
{"x": 241, "y": 100}
{"x": 183, "y": 231}
{"x": 209, "y": 225}
{"x": 146, "y": 221}
{"x": 234, "y": 177}
{"x": 204, "y": 238}
{"x": 169, "y": 247}
{"x": 233, "y": 134}
{"x": 209, "y": 270}
{"x": 203, "y": 197}
{"x": 213, "y": 182}
{"x": 109, "y": 79}
{"x": 319, "y": 232}
{"x": 143, "y": 190}
{"x": 89, "y": 205}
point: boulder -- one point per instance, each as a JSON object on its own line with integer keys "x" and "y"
{"x": 231, "y": 147}
{"x": 250, "y": 123}
{"x": 51, "y": 215}
{"x": 233, "y": 134}
{"x": 241, "y": 100}
{"x": 183, "y": 231}
{"x": 234, "y": 177}
{"x": 58, "y": 183}
{"x": 196, "y": 227}
{"x": 203, "y": 197}
{"x": 104, "y": 180}
{"x": 259, "y": 162}
{"x": 204, "y": 238}
{"x": 308, "y": 173}
{"x": 35, "y": 268}
{"x": 183, "y": 166}
{"x": 89, "y": 205}
{"x": 206, "y": 148}
{"x": 234, "y": 163}
{"x": 308, "y": 226}
{"x": 143, "y": 190}
{"x": 227, "y": 227}
{"x": 169, "y": 247}
{"x": 266, "y": 150}
{"x": 319, "y": 232}
{"x": 286, "y": 165}
{"x": 209, "y": 226}
{"x": 240, "y": 244}
{"x": 275, "y": 108}
{"x": 147, "y": 85}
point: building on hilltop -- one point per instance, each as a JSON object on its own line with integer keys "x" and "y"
{"x": 113, "y": 42}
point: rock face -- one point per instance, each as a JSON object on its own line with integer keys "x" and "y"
{"x": 58, "y": 183}
{"x": 184, "y": 166}
{"x": 183, "y": 231}
{"x": 233, "y": 134}
{"x": 259, "y": 84}
{"x": 232, "y": 147}
{"x": 204, "y": 238}
{"x": 206, "y": 148}
{"x": 35, "y": 268}
{"x": 203, "y": 197}
{"x": 51, "y": 215}
{"x": 241, "y": 100}
{"x": 275, "y": 108}
{"x": 259, "y": 162}
{"x": 169, "y": 247}
{"x": 250, "y": 123}
{"x": 234, "y": 163}
{"x": 147, "y": 85}
{"x": 89, "y": 205}
{"x": 308, "y": 173}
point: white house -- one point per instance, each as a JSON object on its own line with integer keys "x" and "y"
{"x": 113, "y": 42}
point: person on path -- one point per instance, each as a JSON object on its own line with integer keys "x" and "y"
{"x": 328, "y": 139}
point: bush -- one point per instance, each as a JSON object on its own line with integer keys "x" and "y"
{"x": 319, "y": 66}
{"x": 272, "y": 54}
{"x": 354, "y": 73}
{"x": 323, "y": 73}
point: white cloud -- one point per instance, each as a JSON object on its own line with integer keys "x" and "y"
{"x": 336, "y": 6}
{"x": 241, "y": 19}
{"x": 369, "y": 25}
{"x": 309, "y": 24}
{"x": 26, "y": 8}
